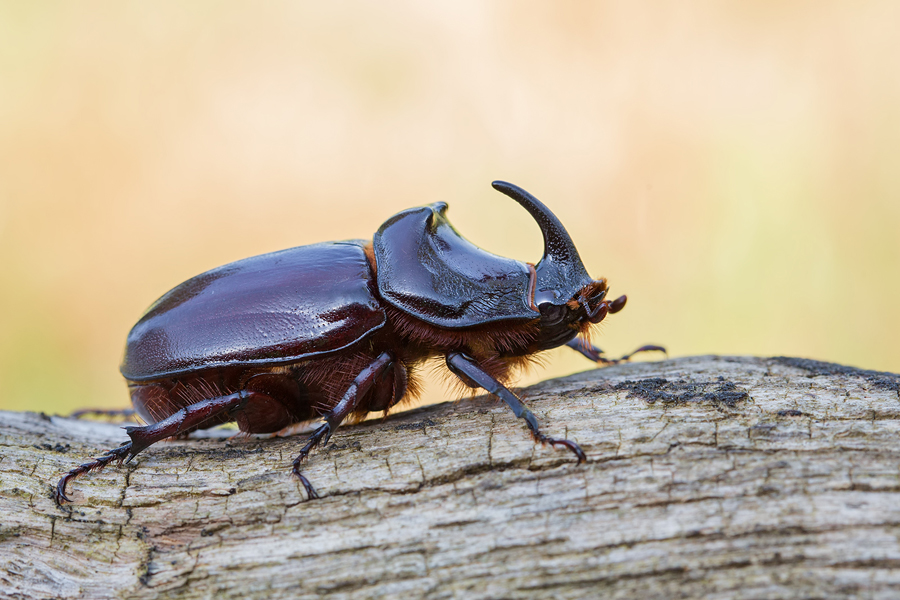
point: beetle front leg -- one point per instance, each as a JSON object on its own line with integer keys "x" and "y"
{"x": 333, "y": 418}
{"x": 186, "y": 419}
{"x": 596, "y": 354}
{"x": 471, "y": 373}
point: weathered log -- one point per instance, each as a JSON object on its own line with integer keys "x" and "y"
{"x": 706, "y": 477}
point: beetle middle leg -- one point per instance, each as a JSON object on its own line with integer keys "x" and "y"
{"x": 187, "y": 419}
{"x": 358, "y": 389}
{"x": 596, "y": 354}
{"x": 473, "y": 375}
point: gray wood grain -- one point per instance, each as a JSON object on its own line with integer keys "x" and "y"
{"x": 710, "y": 477}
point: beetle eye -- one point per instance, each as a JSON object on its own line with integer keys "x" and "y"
{"x": 552, "y": 314}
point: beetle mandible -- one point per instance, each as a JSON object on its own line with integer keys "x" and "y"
{"x": 338, "y": 329}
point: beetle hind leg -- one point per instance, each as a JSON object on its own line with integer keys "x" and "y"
{"x": 118, "y": 454}
{"x": 112, "y": 414}
{"x": 186, "y": 419}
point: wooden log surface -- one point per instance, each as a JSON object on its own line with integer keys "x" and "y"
{"x": 714, "y": 477}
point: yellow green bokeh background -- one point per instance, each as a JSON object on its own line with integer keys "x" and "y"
{"x": 734, "y": 168}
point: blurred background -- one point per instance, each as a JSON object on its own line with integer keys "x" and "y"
{"x": 733, "y": 169}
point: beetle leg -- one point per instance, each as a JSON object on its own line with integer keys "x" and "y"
{"x": 470, "y": 372}
{"x": 116, "y": 454}
{"x": 124, "y": 413}
{"x": 333, "y": 418}
{"x": 321, "y": 432}
{"x": 186, "y": 419}
{"x": 596, "y": 354}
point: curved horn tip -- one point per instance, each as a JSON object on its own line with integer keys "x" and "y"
{"x": 502, "y": 186}
{"x": 558, "y": 245}
{"x": 518, "y": 194}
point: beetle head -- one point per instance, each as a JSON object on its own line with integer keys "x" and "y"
{"x": 569, "y": 300}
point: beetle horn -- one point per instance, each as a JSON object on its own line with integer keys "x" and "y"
{"x": 560, "y": 268}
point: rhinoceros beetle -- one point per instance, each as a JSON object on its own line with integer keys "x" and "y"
{"x": 338, "y": 329}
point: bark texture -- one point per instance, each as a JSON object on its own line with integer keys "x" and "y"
{"x": 709, "y": 477}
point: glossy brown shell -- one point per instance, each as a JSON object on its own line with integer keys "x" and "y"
{"x": 265, "y": 310}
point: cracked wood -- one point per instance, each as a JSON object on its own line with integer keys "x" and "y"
{"x": 706, "y": 476}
